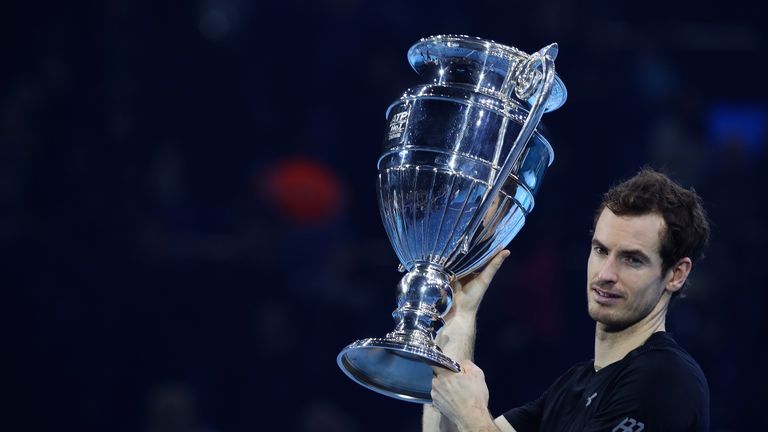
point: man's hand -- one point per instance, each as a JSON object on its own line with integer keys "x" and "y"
{"x": 457, "y": 340}
{"x": 468, "y": 292}
{"x": 462, "y": 397}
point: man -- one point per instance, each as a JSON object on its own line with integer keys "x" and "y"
{"x": 648, "y": 232}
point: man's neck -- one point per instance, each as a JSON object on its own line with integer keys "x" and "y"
{"x": 612, "y": 346}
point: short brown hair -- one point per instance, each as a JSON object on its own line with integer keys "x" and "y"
{"x": 649, "y": 191}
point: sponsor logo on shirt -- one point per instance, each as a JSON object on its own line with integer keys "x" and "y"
{"x": 629, "y": 425}
{"x": 589, "y": 399}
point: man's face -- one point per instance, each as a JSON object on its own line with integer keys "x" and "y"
{"x": 624, "y": 280}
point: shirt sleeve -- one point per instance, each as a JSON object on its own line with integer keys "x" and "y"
{"x": 663, "y": 393}
{"x": 526, "y": 418}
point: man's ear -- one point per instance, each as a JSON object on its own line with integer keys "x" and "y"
{"x": 678, "y": 274}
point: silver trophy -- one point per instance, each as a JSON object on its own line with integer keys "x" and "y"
{"x": 463, "y": 159}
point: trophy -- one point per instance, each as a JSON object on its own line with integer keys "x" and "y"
{"x": 463, "y": 158}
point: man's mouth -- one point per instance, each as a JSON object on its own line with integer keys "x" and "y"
{"x": 605, "y": 294}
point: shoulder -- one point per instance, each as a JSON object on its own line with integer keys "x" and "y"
{"x": 662, "y": 381}
{"x": 659, "y": 386}
{"x": 661, "y": 364}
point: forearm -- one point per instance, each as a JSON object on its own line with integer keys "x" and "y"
{"x": 457, "y": 338}
{"x": 457, "y": 341}
{"x": 486, "y": 425}
{"x": 434, "y": 421}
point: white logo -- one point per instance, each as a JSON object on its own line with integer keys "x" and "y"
{"x": 589, "y": 399}
{"x": 397, "y": 124}
{"x": 629, "y": 425}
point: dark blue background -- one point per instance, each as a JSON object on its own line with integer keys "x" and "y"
{"x": 189, "y": 227}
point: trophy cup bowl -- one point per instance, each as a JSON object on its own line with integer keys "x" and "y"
{"x": 464, "y": 155}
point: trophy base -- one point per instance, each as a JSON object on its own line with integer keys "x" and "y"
{"x": 394, "y": 366}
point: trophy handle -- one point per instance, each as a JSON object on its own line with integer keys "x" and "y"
{"x": 526, "y": 86}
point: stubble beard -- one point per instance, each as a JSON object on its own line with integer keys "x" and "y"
{"x": 618, "y": 318}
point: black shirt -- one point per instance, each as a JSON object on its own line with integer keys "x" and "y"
{"x": 656, "y": 387}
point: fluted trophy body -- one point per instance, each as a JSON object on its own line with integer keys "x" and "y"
{"x": 463, "y": 159}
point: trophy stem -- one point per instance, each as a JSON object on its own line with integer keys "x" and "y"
{"x": 400, "y": 364}
{"x": 424, "y": 297}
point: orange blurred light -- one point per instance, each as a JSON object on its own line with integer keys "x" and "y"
{"x": 305, "y": 191}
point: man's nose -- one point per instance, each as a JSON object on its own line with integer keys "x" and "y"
{"x": 609, "y": 270}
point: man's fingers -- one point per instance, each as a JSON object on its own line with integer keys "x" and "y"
{"x": 490, "y": 270}
{"x": 469, "y": 367}
{"x": 486, "y": 274}
{"x": 440, "y": 371}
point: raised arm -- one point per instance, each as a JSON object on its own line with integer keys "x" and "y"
{"x": 457, "y": 340}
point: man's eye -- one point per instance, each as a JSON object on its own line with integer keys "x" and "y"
{"x": 632, "y": 260}
{"x": 599, "y": 250}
